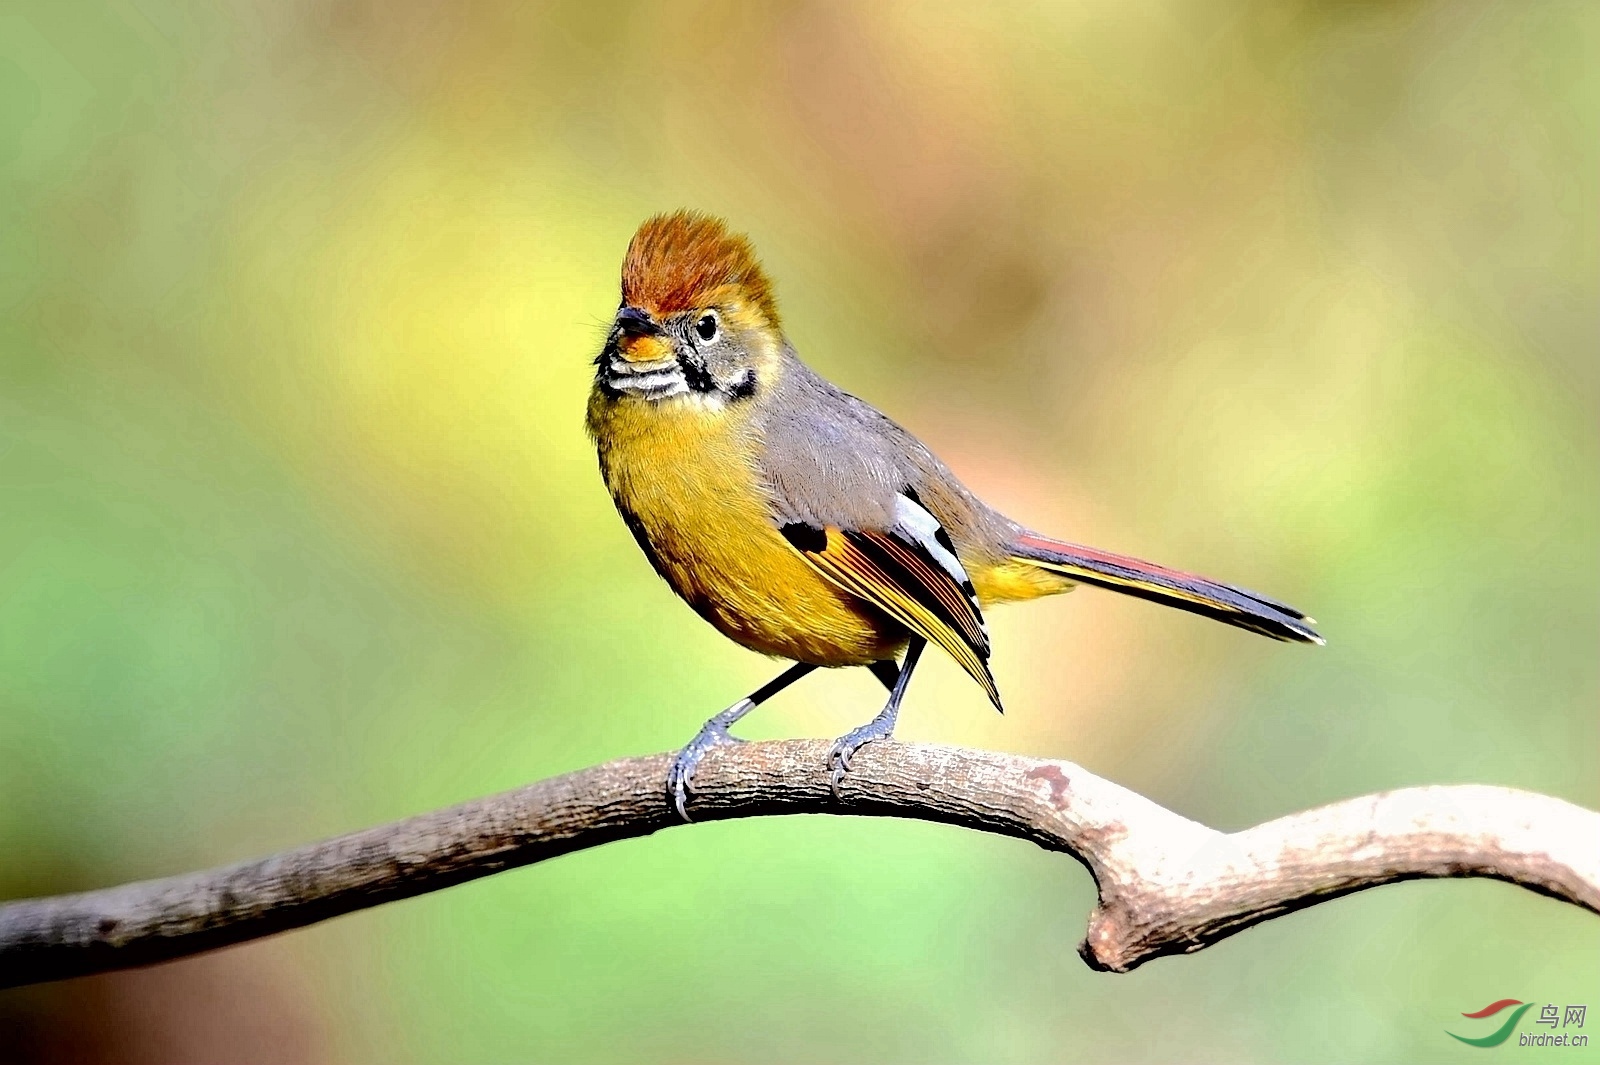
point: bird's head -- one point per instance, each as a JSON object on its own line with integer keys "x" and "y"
{"x": 698, "y": 317}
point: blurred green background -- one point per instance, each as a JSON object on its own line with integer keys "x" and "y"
{"x": 299, "y": 530}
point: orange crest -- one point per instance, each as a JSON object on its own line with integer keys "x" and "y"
{"x": 678, "y": 262}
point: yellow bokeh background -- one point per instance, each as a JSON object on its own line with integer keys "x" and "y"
{"x": 299, "y": 530}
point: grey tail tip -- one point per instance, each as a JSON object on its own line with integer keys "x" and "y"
{"x": 1306, "y": 634}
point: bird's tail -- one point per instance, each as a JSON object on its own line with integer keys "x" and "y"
{"x": 1131, "y": 576}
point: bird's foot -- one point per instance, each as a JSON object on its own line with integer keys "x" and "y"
{"x": 846, "y": 746}
{"x": 713, "y": 733}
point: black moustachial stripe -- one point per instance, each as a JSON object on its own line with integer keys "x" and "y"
{"x": 695, "y": 374}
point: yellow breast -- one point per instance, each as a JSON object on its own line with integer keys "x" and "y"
{"x": 684, "y": 476}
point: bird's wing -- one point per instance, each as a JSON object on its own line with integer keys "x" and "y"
{"x": 910, "y": 571}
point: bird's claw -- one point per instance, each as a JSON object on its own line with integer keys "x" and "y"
{"x": 846, "y": 746}
{"x": 712, "y": 734}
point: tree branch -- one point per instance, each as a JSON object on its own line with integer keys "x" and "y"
{"x": 1167, "y": 885}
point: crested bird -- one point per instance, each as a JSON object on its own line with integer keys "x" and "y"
{"x": 799, "y": 520}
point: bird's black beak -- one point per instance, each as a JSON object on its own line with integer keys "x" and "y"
{"x": 636, "y": 323}
{"x": 639, "y": 338}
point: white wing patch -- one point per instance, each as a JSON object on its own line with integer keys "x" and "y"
{"x": 913, "y": 521}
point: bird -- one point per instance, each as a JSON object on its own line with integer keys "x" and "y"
{"x": 800, "y": 521}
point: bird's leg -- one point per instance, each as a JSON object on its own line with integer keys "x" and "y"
{"x": 887, "y": 671}
{"x": 715, "y": 732}
{"x": 882, "y": 726}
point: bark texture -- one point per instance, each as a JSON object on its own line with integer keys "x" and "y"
{"x": 1167, "y": 885}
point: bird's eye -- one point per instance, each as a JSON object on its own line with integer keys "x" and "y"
{"x": 706, "y": 327}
